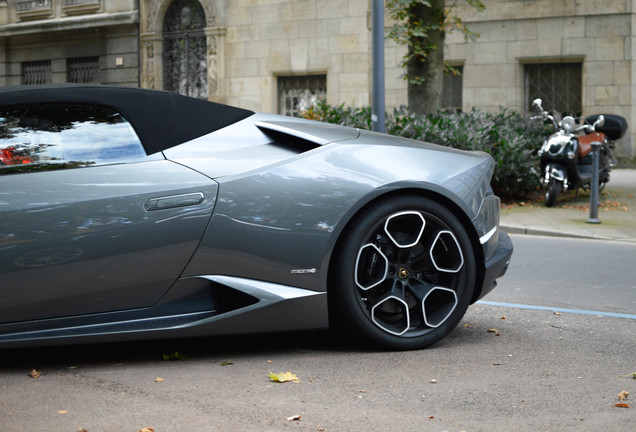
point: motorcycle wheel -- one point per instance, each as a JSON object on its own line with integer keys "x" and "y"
{"x": 604, "y": 177}
{"x": 552, "y": 192}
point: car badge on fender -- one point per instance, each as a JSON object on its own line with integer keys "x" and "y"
{"x": 303, "y": 271}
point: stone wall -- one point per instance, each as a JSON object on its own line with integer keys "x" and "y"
{"x": 600, "y": 34}
{"x": 266, "y": 39}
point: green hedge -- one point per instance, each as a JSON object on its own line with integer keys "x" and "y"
{"x": 510, "y": 138}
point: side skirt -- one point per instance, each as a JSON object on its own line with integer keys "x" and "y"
{"x": 273, "y": 308}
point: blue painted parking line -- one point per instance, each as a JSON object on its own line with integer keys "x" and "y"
{"x": 562, "y": 310}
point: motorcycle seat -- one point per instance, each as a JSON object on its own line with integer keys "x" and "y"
{"x": 585, "y": 142}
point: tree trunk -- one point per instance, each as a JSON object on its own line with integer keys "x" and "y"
{"x": 425, "y": 97}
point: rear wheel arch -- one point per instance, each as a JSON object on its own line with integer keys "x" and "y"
{"x": 424, "y": 193}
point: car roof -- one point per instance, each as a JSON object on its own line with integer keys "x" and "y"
{"x": 160, "y": 119}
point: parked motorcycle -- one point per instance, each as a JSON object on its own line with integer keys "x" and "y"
{"x": 567, "y": 156}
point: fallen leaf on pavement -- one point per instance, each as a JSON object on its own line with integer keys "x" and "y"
{"x": 283, "y": 377}
{"x": 492, "y": 330}
{"x": 294, "y": 418}
{"x": 62, "y": 412}
{"x": 622, "y": 405}
{"x": 623, "y": 395}
{"x": 35, "y": 374}
{"x": 174, "y": 356}
{"x": 158, "y": 379}
{"x": 147, "y": 429}
{"x": 227, "y": 363}
{"x": 633, "y": 375}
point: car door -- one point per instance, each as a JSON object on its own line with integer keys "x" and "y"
{"x": 88, "y": 222}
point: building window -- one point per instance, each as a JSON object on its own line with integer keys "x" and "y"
{"x": 33, "y": 9}
{"x": 185, "y": 68}
{"x": 452, "y": 88}
{"x": 36, "y": 72}
{"x": 83, "y": 70}
{"x": 33, "y": 5}
{"x": 297, "y": 93}
{"x": 558, "y": 85}
{"x": 29, "y": 5}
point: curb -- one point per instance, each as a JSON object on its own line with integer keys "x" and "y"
{"x": 547, "y": 233}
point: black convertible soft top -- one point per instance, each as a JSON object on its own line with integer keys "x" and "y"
{"x": 160, "y": 119}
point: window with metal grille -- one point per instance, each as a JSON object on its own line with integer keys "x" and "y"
{"x": 558, "y": 85}
{"x": 297, "y": 93}
{"x": 83, "y": 70}
{"x": 29, "y": 5}
{"x": 36, "y": 72}
{"x": 452, "y": 88}
{"x": 185, "y": 69}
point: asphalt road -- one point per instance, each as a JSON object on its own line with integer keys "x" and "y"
{"x": 571, "y": 273}
{"x": 539, "y": 371}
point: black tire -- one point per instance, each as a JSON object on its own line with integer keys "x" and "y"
{"x": 552, "y": 192}
{"x": 603, "y": 179}
{"x": 404, "y": 274}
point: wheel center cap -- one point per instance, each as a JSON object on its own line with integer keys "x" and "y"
{"x": 403, "y": 273}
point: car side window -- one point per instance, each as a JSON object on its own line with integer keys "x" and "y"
{"x": 40, "y": 138}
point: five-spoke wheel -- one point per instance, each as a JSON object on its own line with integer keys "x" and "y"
{"x": 405, "y": 273}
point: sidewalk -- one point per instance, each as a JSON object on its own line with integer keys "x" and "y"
{"x": 568, "y": 218}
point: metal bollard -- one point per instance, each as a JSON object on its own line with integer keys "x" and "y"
{"x": 594, "y": 198}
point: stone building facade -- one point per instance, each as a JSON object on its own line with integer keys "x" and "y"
{"x": 253, "y": 46}
{"x": 280, "y": 55}
{"x": 59, "y": 41}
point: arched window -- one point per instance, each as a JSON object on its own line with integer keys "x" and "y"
{"x": 185, "y": 68}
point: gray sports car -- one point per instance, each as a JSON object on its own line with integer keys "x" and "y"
{"x": 129, "y": 214}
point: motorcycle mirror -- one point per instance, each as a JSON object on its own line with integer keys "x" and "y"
{"x": 600, "y": 121}
{"x": 536, "y": 103}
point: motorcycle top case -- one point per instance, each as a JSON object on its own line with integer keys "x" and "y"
{"x": 614, "y": 127}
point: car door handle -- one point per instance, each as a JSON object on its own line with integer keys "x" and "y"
{"x": 173, "y": 201}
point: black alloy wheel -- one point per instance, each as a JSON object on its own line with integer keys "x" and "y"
{"x": 405, "y": 274}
